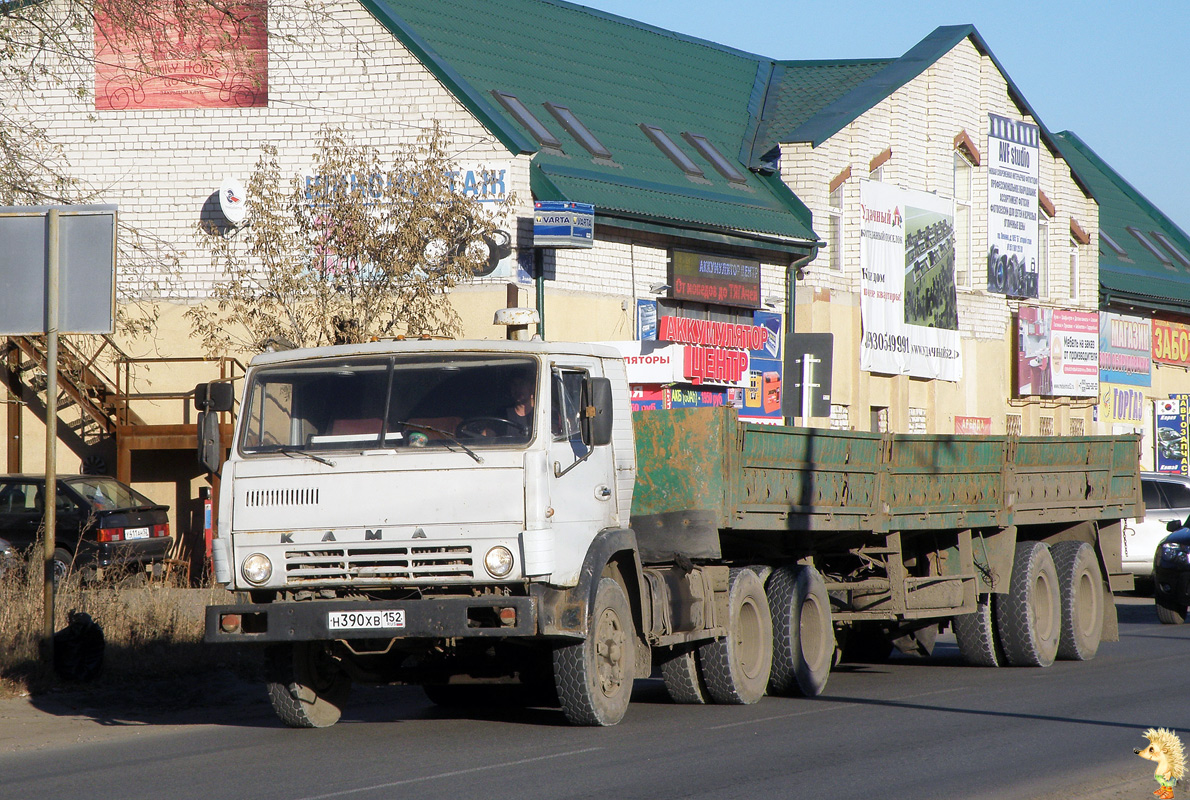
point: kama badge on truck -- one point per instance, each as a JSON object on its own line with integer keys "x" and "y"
{"x": 365, "y": 620}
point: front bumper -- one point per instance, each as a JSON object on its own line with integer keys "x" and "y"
{"x": 433, "y": 618}
{"x": 1173, "y": 584}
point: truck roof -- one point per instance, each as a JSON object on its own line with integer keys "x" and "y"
{"x": 389, "y": 347}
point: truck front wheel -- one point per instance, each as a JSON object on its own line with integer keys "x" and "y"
{"x": 803, "y": 637}
{"x": 737, "y": 666}
{"x": 307, "y": 688}
{"x": 594, "y": 677}
{"x": 1029, "y": 617}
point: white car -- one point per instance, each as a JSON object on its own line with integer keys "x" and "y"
{"x": 1167, "y": 498}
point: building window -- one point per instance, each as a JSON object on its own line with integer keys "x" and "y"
{"x": 513, "y": 105}
{"x": 578, "y": 130}
{"x": 671, "y": 150}
{"x": 1043, "y": 255}
{"x": 1012, "y": 424}
{"x": 1047, "y": 426}
{"x": 835, "y": 226}
{"x": 877, "y": 174}
{"x": 708, "y": 151}
{"x": 962, "y": 220}
{"x": 1077, "y": 426}
{"x": 1073, "y": 269}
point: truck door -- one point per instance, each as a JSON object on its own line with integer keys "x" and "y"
{"x": 582, "y": 493}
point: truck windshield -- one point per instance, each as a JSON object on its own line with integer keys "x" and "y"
{"x": 390, "y": 402}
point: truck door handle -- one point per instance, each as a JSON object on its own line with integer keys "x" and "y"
{"x": 603, "y": 493}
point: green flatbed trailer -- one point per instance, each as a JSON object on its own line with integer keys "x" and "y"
{"x": 906, "y": 530}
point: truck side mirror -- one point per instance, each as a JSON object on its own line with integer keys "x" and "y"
{"x": 210, "y": 399}
{"x": 596, "y": 419}
{"x": 214, "y": 396}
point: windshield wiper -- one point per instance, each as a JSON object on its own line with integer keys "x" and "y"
{"x": 441, "y": 432}
{"x": 293, "y": 451}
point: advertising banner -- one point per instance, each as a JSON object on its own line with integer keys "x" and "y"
{"x": 1057, "y": 352}
{"x": 1169, "y": 419}
{"x": 762, "y": 395}
{"x": 184, "y": 55}
{"x": 1171, "y": 343}
{"x": 1012, "y": 206}
{"x": 1125, "y": 349}
{"x": 721, "y": 280}
{"x": 646, "y": 320}
{"x": 1121, "y": 405}
{"x": 908, "y": 303}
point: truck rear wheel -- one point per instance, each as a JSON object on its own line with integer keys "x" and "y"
{"x": 737, "y": 665}
{"x": 307, "y": 688}
{"x": 803, "y": 637}
{"x": 594, "y": 677}
{"x": 683, "y": 679}
{"x": 1029, "y": 617}
{"x": 1080, "y": 582}
{"x": 976, "y": 634}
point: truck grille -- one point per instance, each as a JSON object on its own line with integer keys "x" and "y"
{"x": 260, "y": 498}
{"x": 388, "y": 564}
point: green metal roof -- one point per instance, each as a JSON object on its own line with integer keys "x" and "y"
{"x": 1139, "y": 278}
{"x": 849, "y": 92}
{"x": 614, "y": 74}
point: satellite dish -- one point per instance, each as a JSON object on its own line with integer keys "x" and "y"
{"x": 232, "y": 199}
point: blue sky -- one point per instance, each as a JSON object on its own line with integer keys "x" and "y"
{"x": 1116, "y": 74}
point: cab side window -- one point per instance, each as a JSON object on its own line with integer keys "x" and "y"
{"x": 566, "y": 398}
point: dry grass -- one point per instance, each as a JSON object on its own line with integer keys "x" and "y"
{"x": 152, "y": 631}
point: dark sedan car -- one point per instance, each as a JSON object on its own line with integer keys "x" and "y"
{"x": 1171, "y": 575}
{"x": 101, "y": 523}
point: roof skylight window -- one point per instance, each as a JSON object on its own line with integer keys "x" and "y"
{"x": 578, "y": 130}
{"x": 1152, "y": 248}
{"x": 710, "y": 153}
{"x": 1111, "y": 243}
{"x": 675, "y": 154}
{"x": 1177, "y": 254}
{"x": 524, "y": 116}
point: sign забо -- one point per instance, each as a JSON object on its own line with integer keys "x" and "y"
{"x": 563, "y": 224}
{"x": 721, "y": 280}
{"x": 1171, "y": 343}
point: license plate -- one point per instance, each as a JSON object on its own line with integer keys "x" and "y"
{"x": 365, "y": 620}
{"x": 136, "y": 533}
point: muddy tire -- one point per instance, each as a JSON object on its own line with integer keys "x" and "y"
{"x": 979, "y": 645}
{"x": 803, "y": 636}
{"x": 1080, "y": 583}
{"x": 683, "y": 679}
{"x": 307, "y": 688}
{"x": 736, "y": 666}
{"x": 1169, "y": 612}
{"x": 594, "y": 677}
{"x": 1029, "y": 617}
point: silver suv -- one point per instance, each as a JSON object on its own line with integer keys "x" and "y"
{"x": 1167, "y": 498}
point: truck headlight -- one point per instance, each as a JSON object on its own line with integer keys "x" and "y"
{"x": 498, "y": 561}
{"x": 257, "y": 568}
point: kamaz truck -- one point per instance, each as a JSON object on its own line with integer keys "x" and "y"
{"x": 385, "y": 515}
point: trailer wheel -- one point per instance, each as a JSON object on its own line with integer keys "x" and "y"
{"x": 1029, "y": 617}
{"x": 307, "y": 688}
{"x": 1080, "y": 582}
{"x": 737, "y": 665}
{"x": 1168, "y": 611}
{"x": 683, "y": 679}
{"x": 594, "y": 677}
{"x": 803, "y": 636}
{"x": 979, "y": 644}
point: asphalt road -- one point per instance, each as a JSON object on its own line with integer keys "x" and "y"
{"x": 911, "y": 728}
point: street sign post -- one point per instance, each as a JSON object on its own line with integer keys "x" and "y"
{"x": 808, "y": 365}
